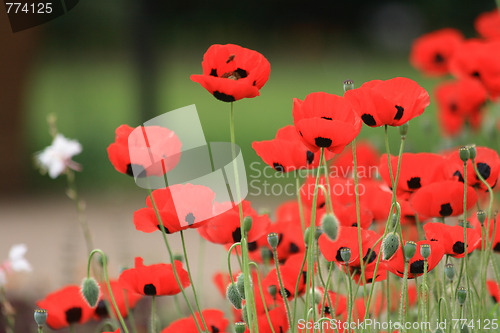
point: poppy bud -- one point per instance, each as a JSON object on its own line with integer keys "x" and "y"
{"x": 395, "y": 220}
{"x": 449, "y": 270}
{"x": 390, "y": 245}
{"x": 307, "y": 236}
{"x": 403, "y": 129}
{"x": 348, "y": 85}
{"x": 240, "y": 327}
{"x": 464, "y": 154}
{"x": 233, "y": 296}
{"x": 330, "y": 226}
{"x": 240, "y": 284}
{"x": 244, "y": 314}
{"x": 273, "y": 240}
{"x": 272, "y": 290}
{"x": 345, "y": 254}
{"x": 266, "y": 253}
{"x": 425, "y": 250}
{"x": 179, "y": 257}
{"x": 472, "y": 151}
{"x": 247, "y": 223}
{"x": 40, "y": 317}
{"x": 317, "y": 232}
{"x": 101, "y": 259}
{"x": 461, "y": 295}
{"x": 481, "y": 216}
{"x": 409, "y": 250}
{"x": 90, "y": 290}
{"x": 317, "y": 297}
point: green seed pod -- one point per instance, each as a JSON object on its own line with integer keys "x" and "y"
{"x": 348, "y": 85}
{"x": 273, "y": 239}
{"x": 394, "y": 220}
{"x": 403, "y": 129}
{"x": 247, "y": 224}
{"x": 244, "y": 314}
{"x": 233, "y": 296}
{"x": 90, "y": 290}
{"x": 472, "y": 151}
{"x": 307, "y": 236}
{"x": 40, "y": 317}
{"x": 240, "y": 327}
{"x": 449, "y": 271}
{"x": 425, "y": 250}
{"x": 330, "y": 226}
{"x": 481, "y": 216}
{"x": 390, "y": 245}
{"x": 345, "y": 254}
{"x": 240, "y": 284}
{"x": 461, "y": 295}
{"x": 464, "y": 154}
{"x": 409, "y": 250}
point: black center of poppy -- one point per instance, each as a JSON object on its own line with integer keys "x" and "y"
{"x": 327, "y": 310}
{"x": 476, "y": 74}
{"x": 287, "y": 293}
{"x": 400, "y": 112}
{"x": 150, "y": 289}
{"x": 281, "y": 329}
{"x": 484, "y": 170}
{"x": 321, "y": 205}
{"x": 252, "y": 246}
{"x": 214, "y": 329}
{"x": 497, "y": 247}
{"x": 166, "y": 230}
{"x": 310, "y": 157}
{"x": 190, "y": 218}
{"x": 327, "y": 118}
{"x": 139, "y": 170}
{"x": 414, "y": 183}
{"x": 323, "y": 142}
{"x": 453, "y": 107}
{"x": 73, "y": 315}
{"x": 417, "y": 267}
{"x": 459, "y": 175}
{"x": 213, "y": 72}
{"x": 459, "y": 247}
{"x": 446, "y": 210}
{"x": 224, "y": 97}
{"x": 438, "y": 58}
{"x": 235, "y": 75}
{"x": 339, "y": 256}
{"x": 293, "y": 248}
{"x": 355, "y": 224}
{"x": 237, "y": 235}
{"x": 278, "y": 167}
{"x": 372, "y": 257}
{"x": 101, "y": 311}
{"x": 368, "y": 119}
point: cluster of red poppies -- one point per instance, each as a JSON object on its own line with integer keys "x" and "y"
{"x": 475, "y": 65}
{"x": 429, "y": 186}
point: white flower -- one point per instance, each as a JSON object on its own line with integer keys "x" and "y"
{"x": 57, "y": 157}
{"x": 17, "y": 262}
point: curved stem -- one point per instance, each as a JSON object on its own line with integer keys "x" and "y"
{"x": 282, "y": 288}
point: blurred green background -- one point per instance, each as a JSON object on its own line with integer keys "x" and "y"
{"x": 123, "y": 62}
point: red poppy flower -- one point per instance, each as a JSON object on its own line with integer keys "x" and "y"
{"x": 431, "y": 52}
{"x": 287, "y": 152}
{"x": 213, "y": 318}
{"x": 117, "y": 331}
{"x": 180, "y": 207}
{"x": 325, "y": 121}
{"x": 416, "y": 170}
{"x": 65, "y": 307}
{"x": 488, "y": 24}
{"x": 392, "y": 102}
{"x": 124, "y": 300}
{"x": 494, "y": 290}
{"x": 144, "y": 151}
{"x": 367, "y": 160}
{"x": 487, "y": 162}
{"x": 442, "y": 199}
{"x": 380, "y": 303}
{"x": 278, "y": 318}
{"x": 232, "y": 72}
{"x": 154, "y": 280}
{"x": 416, "y": 265}
{"x": 480, "y": 60}
{"x": 460, "y": 102}
{"x": 338, "y": 304}
{"x": 452, "y": 238}
{"x": 225, "y": 228}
